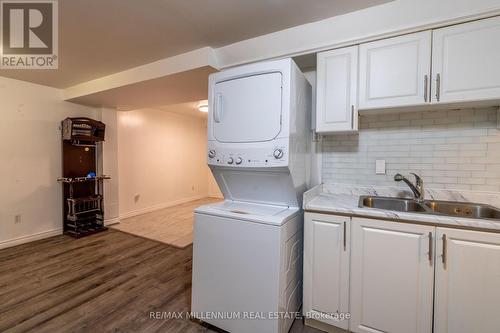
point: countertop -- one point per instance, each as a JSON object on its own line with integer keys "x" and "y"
{"x": 343, "y": 199}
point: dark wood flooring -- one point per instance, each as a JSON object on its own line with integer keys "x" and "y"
{"x": 108, "y": 282}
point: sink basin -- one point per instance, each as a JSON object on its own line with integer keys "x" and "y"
{"x": 463, "y": 209}
{"x": 398, "y": 204}
{"x": 448, "y": 208}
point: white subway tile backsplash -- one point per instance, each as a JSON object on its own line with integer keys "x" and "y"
{"x": 471, "y": 167}
{"x": 472, "y": 181}
{"x": 460, "y": 187}
{"x": 472, "y": 153}
{"x": 484, "y": 188}
{"x": 452, "y": 149}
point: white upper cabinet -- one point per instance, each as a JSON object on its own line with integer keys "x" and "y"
{"x": 451, "y": 65}
{"x": 466, "y": 62}
{"x": 326, "y": 267}
{"x": 336, "y": 99}
{"x": 395, "y": 72}
{"x": 467, "y": 282}
{"x": 392, "y": 275}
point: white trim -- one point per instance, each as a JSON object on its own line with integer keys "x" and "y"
{"x": 114, "y": 220}
{"x": 30, "y": 238}
{"x": 159, "y": 206}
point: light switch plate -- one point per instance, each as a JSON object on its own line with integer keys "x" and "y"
{"x": 380, "y": 167}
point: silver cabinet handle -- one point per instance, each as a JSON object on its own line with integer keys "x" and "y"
{"x": 426, "y": 87}
{"x": 445, "y": 251}
{"x": 345, "y": 236}
{"x": 438, "y": 87}
{"x": 430, "y": 247}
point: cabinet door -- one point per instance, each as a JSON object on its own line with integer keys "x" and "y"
{"x": 336, "y": 99}
{"x": 326, "y": 268}
{"x": 395, "y": 72}
{"x": 467, "y": 282}
{"x": 466, "y": 62}
{"x": 392, "y": 273}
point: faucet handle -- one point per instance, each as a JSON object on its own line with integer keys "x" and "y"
{"x": 418, "y": 179}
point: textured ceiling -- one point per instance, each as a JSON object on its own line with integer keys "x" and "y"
{"x": 101, "y": 37}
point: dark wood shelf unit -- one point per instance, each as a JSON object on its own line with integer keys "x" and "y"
{"x": 83, "y": 199}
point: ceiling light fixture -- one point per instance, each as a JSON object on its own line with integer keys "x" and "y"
{"x": 203, "y": 106}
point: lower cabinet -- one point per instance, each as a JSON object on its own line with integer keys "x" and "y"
{"x": 392, "y": 274}
{"x": 467, "y": 296}
{"x": 401, "y": 277}
{"x": 326, "y": 268}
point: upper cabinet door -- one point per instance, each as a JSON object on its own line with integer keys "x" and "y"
{"x": 336, "y": 101}
{"x": 466, "y": 62}
{"x": 467, "y": 282}
{"x": 395, "y": 72}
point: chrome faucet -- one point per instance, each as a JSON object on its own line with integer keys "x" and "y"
{"x": 417, "y": 189}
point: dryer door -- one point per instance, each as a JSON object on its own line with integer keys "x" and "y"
{"x": 247, "y": 109}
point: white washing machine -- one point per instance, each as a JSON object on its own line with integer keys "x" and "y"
{"x": 247, "y": 267}
{"x": 247, "y": 252}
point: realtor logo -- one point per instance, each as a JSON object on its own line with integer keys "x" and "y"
{"x": 29, "y": 34}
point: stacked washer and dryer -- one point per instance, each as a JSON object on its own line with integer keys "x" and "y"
{"x": 247, "y": 251}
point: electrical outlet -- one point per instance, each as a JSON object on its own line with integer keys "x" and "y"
{"x": 17, "y": 219}
{"x": 380, "y": 167}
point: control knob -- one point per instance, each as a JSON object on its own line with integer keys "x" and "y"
{"x": 239, "y": 160}
{"x": 278, "y": 153}
{"x": 211, "y": 153}
{"x": 230, "y": 161}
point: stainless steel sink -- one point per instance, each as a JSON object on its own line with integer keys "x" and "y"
{"x": 398, "y": 204}
{"x": 463, "y": 209}
{"x": 448, "y": 208}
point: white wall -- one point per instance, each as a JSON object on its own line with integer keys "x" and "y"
{"x": 110, "y": 165}
{"x": 453, "y": 149}
{"x": 30, "y": 154}
{"x": 162, "y": 159}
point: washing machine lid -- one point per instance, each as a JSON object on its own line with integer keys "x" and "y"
{"x": 260, "y": 186}
{"x": 246, "y": 211}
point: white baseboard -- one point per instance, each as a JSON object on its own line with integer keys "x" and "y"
{"x": 112, "y": 221}
{"x": 29, "y": 238}
{"x": 160, "y": 206}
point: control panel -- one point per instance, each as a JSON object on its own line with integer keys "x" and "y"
{"x": 270, "y": 156}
